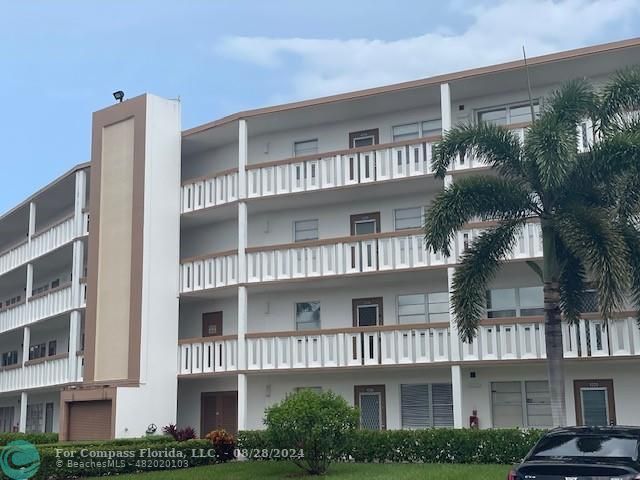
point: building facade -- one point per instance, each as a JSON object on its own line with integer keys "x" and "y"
{"x": 197, "y": 277}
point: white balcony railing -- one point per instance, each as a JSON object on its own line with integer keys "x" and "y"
{"x": 505, "y": 339}
{"x": 208, "y": 192}
{"x": 528, "y": 241}
{"x": 43, "y": 372}
{"x": 208, "y": 355}
{"x": 48, "y": 239}
{"x": 46, "y": 304}
{"x": 215, "y": 271}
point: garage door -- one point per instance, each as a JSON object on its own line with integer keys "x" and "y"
{"x": 90, "y": 420}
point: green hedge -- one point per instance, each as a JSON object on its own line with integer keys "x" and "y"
{"x": 427, "y": 446}
{"x": 35, "y": 438}
{"x": 128, "y": 456}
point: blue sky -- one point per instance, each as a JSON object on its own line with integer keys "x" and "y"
{"x": 60, "y": 60}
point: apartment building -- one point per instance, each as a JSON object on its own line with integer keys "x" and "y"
{"x": 197, "y": 277}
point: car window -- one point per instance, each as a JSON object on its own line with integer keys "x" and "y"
{"x": 597, "y": 446}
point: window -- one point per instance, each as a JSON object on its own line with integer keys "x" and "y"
{"x": 305, "y": 147}
{"x": 10, "y": 358}
{"x": 37, "y": 351}
{"x": 420, "y": 308}
{"x": 509, "y": 114}
{"x": 55, "y": 283}
{"x": 6, "y": 419}
{"x": 313, "y": 389}
{"x": 510, "y": 411}
{"x": 40, "y": 289}
{"x": 52, "y": 347}
{"x": 34, "y": 418}
{"x": 305, "y": 230}
{"x": 307, "y": 315}
{"x": 408, "y": 131}
{"x": 515, "y": 302}
{"x": 408, "y": 218}
{"x": 426, "y": 405}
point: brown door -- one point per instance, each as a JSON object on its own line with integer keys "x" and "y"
{"x": 212, "y": 324}
{"x": 90, "y": 420}
{"x": 219, "y": 410}
{"x": 365, "y": 223}
{"x": 595, "y": 402}
{"x": 364, "y": 138}
{"x": 367, "y": 312}
{"x": 371, "y": 401}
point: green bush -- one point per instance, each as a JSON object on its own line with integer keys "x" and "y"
{"x": 127, "y": 456}
{"x": 35, "y": 438}
{"x": 497, "y": 446}
{"x": 317, "y": 424}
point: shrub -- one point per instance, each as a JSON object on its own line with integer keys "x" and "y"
{"x": 497, "y": 446}
{"x": 179, "y": 434}
{"x": 318, "y": 424}
{"x": 223, "y": 444}
{"x": 128, "y": 457}
{"x": 35, "y": 438}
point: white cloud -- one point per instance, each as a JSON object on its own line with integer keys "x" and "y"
{"x": 495, "y": 34}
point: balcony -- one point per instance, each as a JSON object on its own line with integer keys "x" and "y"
{"x": 47, "y": 239}
{"x": 44, "y": 372}
{"x": 324, "y": 171}
{"x": 363, "y": 254}
{"x": 47, "y": 304}
{"x": 509, "y": 339}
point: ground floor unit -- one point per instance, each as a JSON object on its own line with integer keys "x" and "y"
{"x": 489, "y": 395}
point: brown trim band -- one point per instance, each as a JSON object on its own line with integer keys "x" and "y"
{"x": 46, "y": 359}
{"x": 82, "y": 394}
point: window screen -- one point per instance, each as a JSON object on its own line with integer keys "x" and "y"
{"x": 305, "y": 147}
{"x": 307, "y": 315}
{"x": 426, "y": 405}
{"x": 506, "y": 403}
{"x": 408, "y": 218}
{"x": 411, "y": 308}
{"x": 305, "y": 230}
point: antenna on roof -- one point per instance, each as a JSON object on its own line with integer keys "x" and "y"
{"x": 526, "y": 66}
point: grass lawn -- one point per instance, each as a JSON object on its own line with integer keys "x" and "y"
{"x": 282, "y": 470}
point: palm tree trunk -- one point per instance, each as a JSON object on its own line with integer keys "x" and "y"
{"x": 553, "y": 326}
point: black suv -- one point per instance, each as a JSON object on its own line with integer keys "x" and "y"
{"x": 583, "y": 453}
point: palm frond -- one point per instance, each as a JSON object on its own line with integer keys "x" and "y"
{"x": 620, "y": 96}
{"x": 483, "y": 196}
{"x": 573, "y": 282}
{"x": 632, "y": 242}
{"x": 590, "y": 234}
{"x": 478, "y": 266}
{"x": 496, "y": 145}
{"x": 551, "y": 141}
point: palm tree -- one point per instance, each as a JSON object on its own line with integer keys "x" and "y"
{"x": 587, "y": 203}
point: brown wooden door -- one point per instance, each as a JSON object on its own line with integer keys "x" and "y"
{"x": 212, "y": 324}
{"x": 595, "y": 402}
{"x": 219, "y": 410}
{"x": 364, "y": 138}
{"x": 365, "y": 223}
{"x": 90, "y": 420}
{"x": 372, "y": 403}
{"x": 367, "y": 312}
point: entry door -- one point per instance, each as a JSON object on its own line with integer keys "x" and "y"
{"x": 371, "y": 401}
{"x": 595, "y": 402}
{"x": 48, "y": 418}
{"x": 219, "y": 410}
{"x": 212, "y": 324}
{"x": 367, "y": 312}
{"x": 364, "y": 224}
{"x": 364, "y": 138}
{"x": 6, "y": 419}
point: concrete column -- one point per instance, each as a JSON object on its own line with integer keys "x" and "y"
{"x": 74, "y": 343}
{"x": 242, "y": 401}
{"x": 29, "y": 287}
{"x": 26, "y": 341}
{"x": 77, "y": 271}
{"x": 242, "y": 273}
{"x": 456, "y": 383}
{"x": 32, "y": 219}
{"x": 445, "y": 106}
{"x": 80, "y": 200}
{"x": 243, "y": 145}
{"x": 22, "y": 426}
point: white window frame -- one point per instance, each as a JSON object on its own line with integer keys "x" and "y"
{"x": 507, "y": 107}
{"x": 295, "y": 230}
{"x": 426, "y": 303}
{"x": 395, "y": 217}
{"x": 517, "y": 307}
{"x": 523, "y": 400}
{"x": 307, "y": 151}
{"x": 419, "y": 129}
{"x": 430, "y": 406}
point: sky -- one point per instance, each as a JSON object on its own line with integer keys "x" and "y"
{"x": 60, "y": 60}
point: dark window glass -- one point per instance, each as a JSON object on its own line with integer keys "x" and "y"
{"x": 595, "y": 446}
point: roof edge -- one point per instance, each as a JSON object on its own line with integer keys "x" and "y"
{"x": 437, "y": 79}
